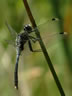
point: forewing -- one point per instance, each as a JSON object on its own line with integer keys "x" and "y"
{"x": 49, "y": 32}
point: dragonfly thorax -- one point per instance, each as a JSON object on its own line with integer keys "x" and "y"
{"x": 21, "y": 39}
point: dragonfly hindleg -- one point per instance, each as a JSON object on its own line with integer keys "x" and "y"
{"x": 31, "y": 49}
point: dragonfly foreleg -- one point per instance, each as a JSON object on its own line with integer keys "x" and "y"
{"x": 31, "y": 49}
{"x": 34, "y": 39}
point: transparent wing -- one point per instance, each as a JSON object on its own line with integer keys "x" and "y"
{"x": 13, "y": 35}
{"x": 45, "y": 24}
{"x": 12, "y": 31}
{"x": 10, "y": 42}
{"x": 50, "y": 31}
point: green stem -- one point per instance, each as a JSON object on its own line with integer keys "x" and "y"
{"x": 44, "y": 49}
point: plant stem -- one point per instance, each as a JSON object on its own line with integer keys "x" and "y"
{"x": 44, "y": 49}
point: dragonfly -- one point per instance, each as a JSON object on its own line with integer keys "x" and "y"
{"x": 20, "y": 40}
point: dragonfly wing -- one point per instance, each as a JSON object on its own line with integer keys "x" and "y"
{"x": 49, "y": 32}
{"x": 47, "y": 23}
{"x": 12, "y": 31}
{"x": 10, "y": 42}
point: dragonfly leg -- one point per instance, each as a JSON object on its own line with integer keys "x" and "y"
{"x": 31, "y": 49}
{"x": 34, "y": 39}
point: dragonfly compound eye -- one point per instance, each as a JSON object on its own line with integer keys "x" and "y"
{"x": 28, "y": 28}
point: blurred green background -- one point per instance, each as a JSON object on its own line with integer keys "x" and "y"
{"x": 35, "y": 78}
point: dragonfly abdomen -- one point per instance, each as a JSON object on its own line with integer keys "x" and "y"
{"x": 16, "y": 72}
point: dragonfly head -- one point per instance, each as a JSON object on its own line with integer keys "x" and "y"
{"x": 28, "y": 28}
